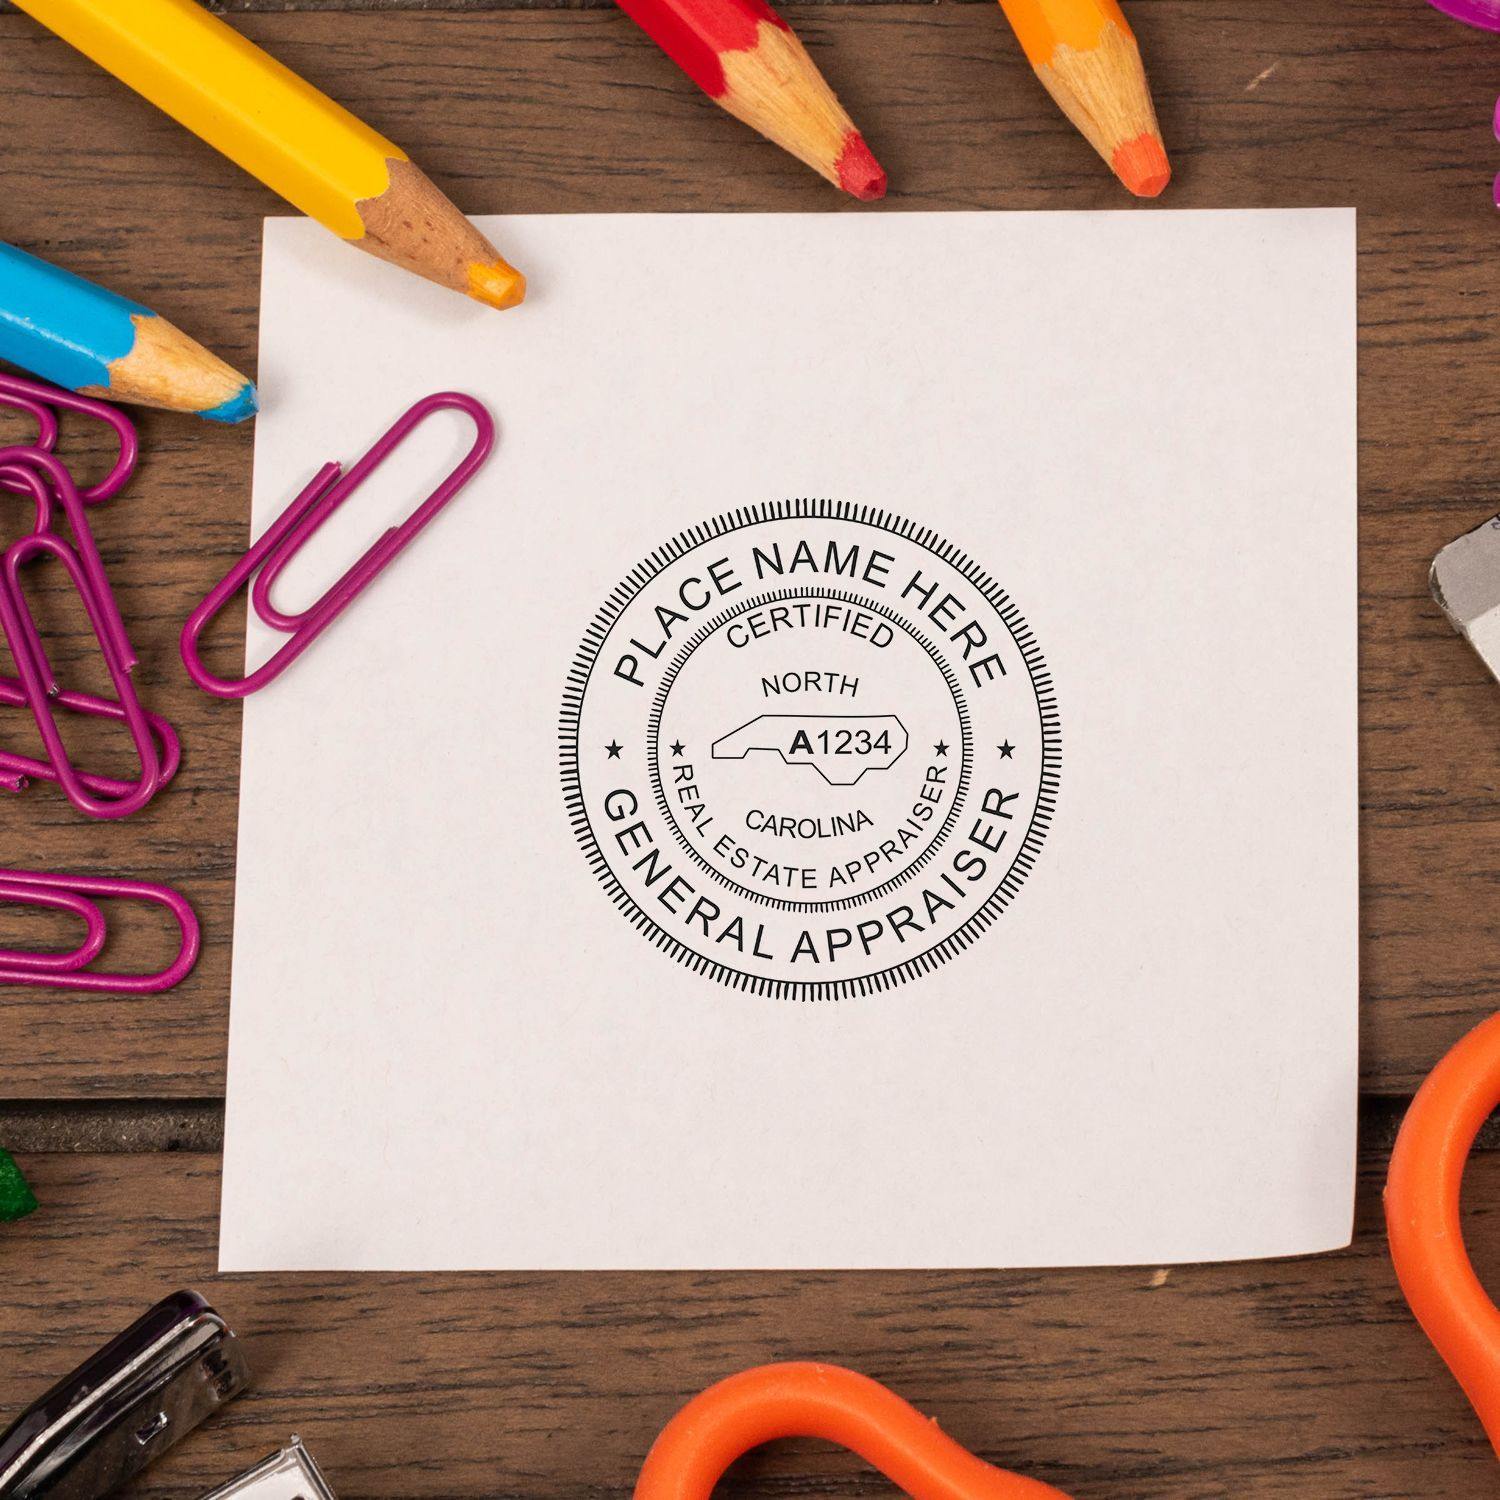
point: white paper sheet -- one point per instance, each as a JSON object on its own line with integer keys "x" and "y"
{"x": 1088, "y": 539}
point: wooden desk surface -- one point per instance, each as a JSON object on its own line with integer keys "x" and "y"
{"x": 1297, "y": 1378}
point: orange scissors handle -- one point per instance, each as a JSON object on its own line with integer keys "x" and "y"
{"x": 823, "y": 1401}
{"x": 1422, "y": 1217}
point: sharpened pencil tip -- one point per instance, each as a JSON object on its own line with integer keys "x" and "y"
{"x": 496, "y": 284}
{"x": 859, "y": 173}
{"x": 1142, "y": 165}
{"x": 239, "y": 408}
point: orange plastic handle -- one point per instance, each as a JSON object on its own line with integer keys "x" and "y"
{"x": 823, "y": 1401}
{"x": 1422, "y": 1217}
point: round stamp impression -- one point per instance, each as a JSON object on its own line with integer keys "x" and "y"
{"x": 810, "y": 749}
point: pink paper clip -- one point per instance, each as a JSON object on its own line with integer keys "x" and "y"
{"x": 73, "y": 893}
{"x": 291, "y": 531}
{"x": 42, "y": 403}
{"x": 37, "y": 409}
{"x": 1483, "y": 13}
{"x": 38, "y": 471}
{"x": 19, "y": 477}
{"x": 18, "y": 771}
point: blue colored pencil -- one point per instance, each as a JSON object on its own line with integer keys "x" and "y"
{"x": 87, "y": 339}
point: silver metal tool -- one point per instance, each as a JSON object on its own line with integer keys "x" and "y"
{"x": 125, "y": 1406}
{"x": 288, "y": 1475}
{"x": 1465, "y": 580}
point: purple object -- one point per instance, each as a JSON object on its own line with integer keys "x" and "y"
{"x": 36, "y": 471}
{"x": 81, "y": 956}
{"x": 17, "y": 771}
{"x": 42, "y": 402}
{"x": 69, "y": 970}
{"x": 29, "y": 484}
{"x": 328, "y": 490}
{"x": 15, "y": 393}
{"x": 1483, "y": 13}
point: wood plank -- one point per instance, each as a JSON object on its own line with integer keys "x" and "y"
{"x": 1292, "y": 1378}
{"x": 1282, "y": 103}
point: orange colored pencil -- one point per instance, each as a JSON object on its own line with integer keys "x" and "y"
{"x": 1085, "y": 54}
{"x": 744, "y": 56}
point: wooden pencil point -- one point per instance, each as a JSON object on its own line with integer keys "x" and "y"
{"x": 744, "y": 56}
{"x": 89, "y": 339}
{"x": 169, "y": 370}
{"x": 1086, "y": 57}
{"x": 412, "y": 225}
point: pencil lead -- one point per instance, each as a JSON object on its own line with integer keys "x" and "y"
{"x": 496, "y": 284}
{"x": 859, "y": 173}
{"x": 238, "y": 408}
{"x": 1142, "y": 165}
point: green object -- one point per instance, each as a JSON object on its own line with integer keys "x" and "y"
{"x": 16, "y": 1198}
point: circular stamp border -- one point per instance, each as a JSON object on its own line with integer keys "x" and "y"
{"x": 795, "y": 510}
{"x": 961, "y": 790}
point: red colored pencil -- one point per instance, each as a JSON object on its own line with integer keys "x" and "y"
{"x": 742, "y": 54}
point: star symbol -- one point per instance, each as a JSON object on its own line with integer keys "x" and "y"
{"x": 941, "y": 748}
{"x": 614, "y": 748}
{"x": 1005, "y": 750}
{"x": 678, "y": 747}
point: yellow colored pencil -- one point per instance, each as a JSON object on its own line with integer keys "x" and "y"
{"x": 279, "y": 128}
{"x": 1085, "y": 54}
